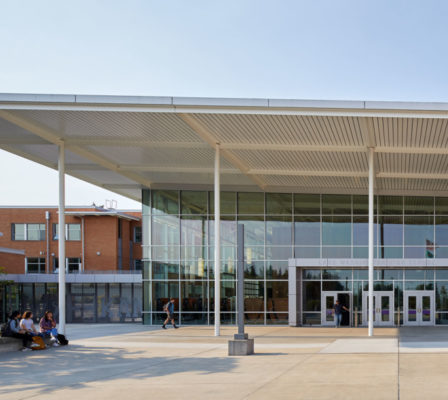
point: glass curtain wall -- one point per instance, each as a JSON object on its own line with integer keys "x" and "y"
{"x": 178, "y": 245}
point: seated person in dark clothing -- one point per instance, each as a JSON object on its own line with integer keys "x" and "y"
{"x": 14, "y": 330}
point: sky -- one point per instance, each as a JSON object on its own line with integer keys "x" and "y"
{"x": 353, "y": 50}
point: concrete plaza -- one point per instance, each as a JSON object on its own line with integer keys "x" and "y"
{"x": 141, "y": 362}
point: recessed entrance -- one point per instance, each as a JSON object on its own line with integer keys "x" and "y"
{"x": 328, "y": 302}
{"x": 383, "y": 308}
{"x": 418, "y": 307}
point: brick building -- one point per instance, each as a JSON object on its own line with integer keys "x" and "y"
{"x": 103, "y": 262}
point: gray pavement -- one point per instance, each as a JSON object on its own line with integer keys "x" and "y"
{"x": 140, "y": 362}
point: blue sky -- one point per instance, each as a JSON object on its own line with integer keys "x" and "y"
{"x": 367, "y": 50}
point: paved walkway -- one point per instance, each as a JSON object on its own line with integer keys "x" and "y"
{"x": 140, "y": 362}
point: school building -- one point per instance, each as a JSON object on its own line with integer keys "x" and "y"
{"x": 339, "y": 200}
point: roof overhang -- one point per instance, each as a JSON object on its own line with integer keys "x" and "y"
{"x": 102, "y": 214}
{"x": 125, "y": 144}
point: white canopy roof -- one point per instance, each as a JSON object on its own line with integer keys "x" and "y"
{"x": 127, "y": 143}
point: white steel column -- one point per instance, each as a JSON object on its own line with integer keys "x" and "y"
{"x": 61, "y": 238}
{"x": 371, "y": 201}
{"x": 217, "y": 244}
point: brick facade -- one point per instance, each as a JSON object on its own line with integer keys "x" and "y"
{"x": 101, "y": 241}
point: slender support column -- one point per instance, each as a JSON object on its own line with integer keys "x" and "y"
{"x": 371, "y": 200}
{"x": 217, "y": 244}
{"x": 61, "y": 238}
{"x": 240, "y": 283}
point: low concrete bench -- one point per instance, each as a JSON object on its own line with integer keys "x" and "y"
{"x": 13, "y": 344}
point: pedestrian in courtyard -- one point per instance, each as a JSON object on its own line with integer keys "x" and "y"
{"x": 338, "y": 309}
{"x": 169, "y": 309}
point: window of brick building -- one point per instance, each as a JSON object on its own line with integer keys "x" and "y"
{"x": 28, "y": 231}
{"x": 35, "y": 265}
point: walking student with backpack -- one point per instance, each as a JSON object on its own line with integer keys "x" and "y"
{"x": 169, "y": 309}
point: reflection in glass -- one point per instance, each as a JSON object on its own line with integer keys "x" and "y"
{"x": 336, "y": 204}
{"x": 165, "y": 230}
{"x": 278, "y": 253}
{"x": 307, "y": 252}
{"x": 412, "y": 308}
{"x": 194, "y": 296}
{"x": 275, "y": 318}
{"x": 228, "y": 296}
{"x": 194, "y": 269}
{"x": 228, "y": 231}
{"x": 279, "y": 203}
{"x": 277, "y": 296}
{"x": 426, "y": 308}
{"x": 253, "y": 230}
{"x": 390, "y": 231}
{"x": 307, "y": 231}
{"x": 311, "y": 319}
{"x": 193, "y": 318}
{"x": 334, "y": 286}
{"x": 193, "y": 231}
{"x": 441, "y": 231}
{"x": 165, "y": 202}
{"x": 442, "y": 296}
{"x": 329, "y": 304}
{"x": 228, "y": 202}
{"x": 278, "y": 231}
{"x": 417, "y": 252}
{"x": 161, "y": 294}
{"x": 254, "y": 270}
{"x": 311, "y": 296}
{"x": 253, "y": 296}
{"x": 390, "y": 205}
{"x": 441, "y": 205}
{"x": 419, "y": 231}
{"x": 277, "y": 269}
{"x": 337, "y": 274}
{"x": 162, "y": 270}
{"x": 250, "y": 203}
{"x": 193, "y": 202}
{"x": 311, "y": 274}
{"x": 419, "y": 205}
{"x": 307, "y": 204}
{"x": 391, "y": 252}
{"x": 336, "y": 252}
{"x": 419, "y": 274}
{"x": 361, "y": 231}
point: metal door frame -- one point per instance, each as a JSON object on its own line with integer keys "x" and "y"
{"x": 418, "y": 294}
{"x": 377, "y": 311}
{"x": 323, "y": 303}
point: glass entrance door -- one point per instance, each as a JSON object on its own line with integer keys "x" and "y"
{"x": 328, "y": 301}
{"x": 418, "y": 307}
{"x": 383, "y": 308}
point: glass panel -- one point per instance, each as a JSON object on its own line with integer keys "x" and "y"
{"x": 419, "y": 274}
{"x": 228, "y": 202}
{"x": 307, "y": 252}
{"x": 307, "y": 231}
{"x": 253, "y": 253}
{"x": 254, "y": 270}
{"x": 417, "y": 252}
{"x": 278, "y": 231}
{"x": 279, "y": 203}
{"x": 361, "y": 252}
{"x": 161, "y": 294}
{"x": 441, "y": 252}
{"x": 165, "y": 230}
{"x": 194, "y": 296}
{"x": 360, "y": 274}
{"x": 228, "y": 295}
{"x": 278, "y": 253}
{"x": 193, "y": 202}
{"x": 277, "y": 318}
{"x": 228, "y": 231}
{"x": 385, "y": 311}
{"x": 442, "y": 231}
{"x": 311, "y": 319}
{"x": 391, "y": 252}
{"x": 311, "y": 296}
{"x": 311, "y": 274}
{"x": 390, "y": 231}
{"x": 390, "y": 205}
{"x": 228, "y": 269}
{"x": 336, "y": 204}
{"x": 329, "y": 304}
{"x": 226, "y": 318}
{"x": 419, "y": 205}
{"x": 193, "y": 231}
{"x": 385, "y": 274}
{"x": 165, "y": 253}
{"x": 307, "y": 204}
{"x": 441, "y": 205}
{"x": 253, "y": 296}
{"x": 165, "y": 202}
{"x": 426, "y": 308}
{"x": 337, "y": 274}
{"x": 253, "y": 230}
{"x": 254, "y": 318}
{"x": 193, "y": 253}
{"x": 361, "y": 231}
{"x": 336, "y": 231}
{"x": 336, "y": 252}
{"x": 277, "y": 269}
{"x": 19, "y": 232}
{"x": 194, "y": 318}
{"x": 442, "y": 274}
{"x": 250, "y": 203}
{"x": 277, "y": 296}
{"x": 442, "y": 318}
{"x": 419, "y": 231}
{"x": 74, "y": 231}
{"x": 196, "y": 269}
{"x": 414, "y": 285}
{"x": 361, "y": 205}
{"x": 412, "y": 308}
{"x": 35, "y": 232}
{"x": 336, "y": 286}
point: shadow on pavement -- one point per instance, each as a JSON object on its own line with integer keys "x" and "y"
{"x": 73, "y": 367}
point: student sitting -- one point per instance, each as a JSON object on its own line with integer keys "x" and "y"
{"x": 48, "y": 326}
{"x": 15, "y": 331}
{"x": 27, "y": 324}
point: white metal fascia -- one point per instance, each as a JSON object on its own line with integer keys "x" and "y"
{"x": 411, "y": 175}
{"x": 55, "y": 138}
{"x": 335, "y": 173}
{"x": 198, "y": 170}
{"x": 205, "y": 135}
{"x": 132, "y": 142}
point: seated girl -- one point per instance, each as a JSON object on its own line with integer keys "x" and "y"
{"x": 48, "y": 326}
{"x": 27, "y": 324}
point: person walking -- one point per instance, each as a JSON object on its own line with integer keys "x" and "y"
{"x": 337, "y": 309}
{"x": 169, "y": 309}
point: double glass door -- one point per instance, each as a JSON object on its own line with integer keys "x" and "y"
{"x": 383, "y": 308}
{"x": 328, "y": 302}
{"x": 418, "y": 307}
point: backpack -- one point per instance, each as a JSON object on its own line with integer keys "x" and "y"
{"x": 38, "y": 343}
{"x": 165, "y": 307}
{"x": 6, "y": 329}
{"x": 62, "y": 340}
